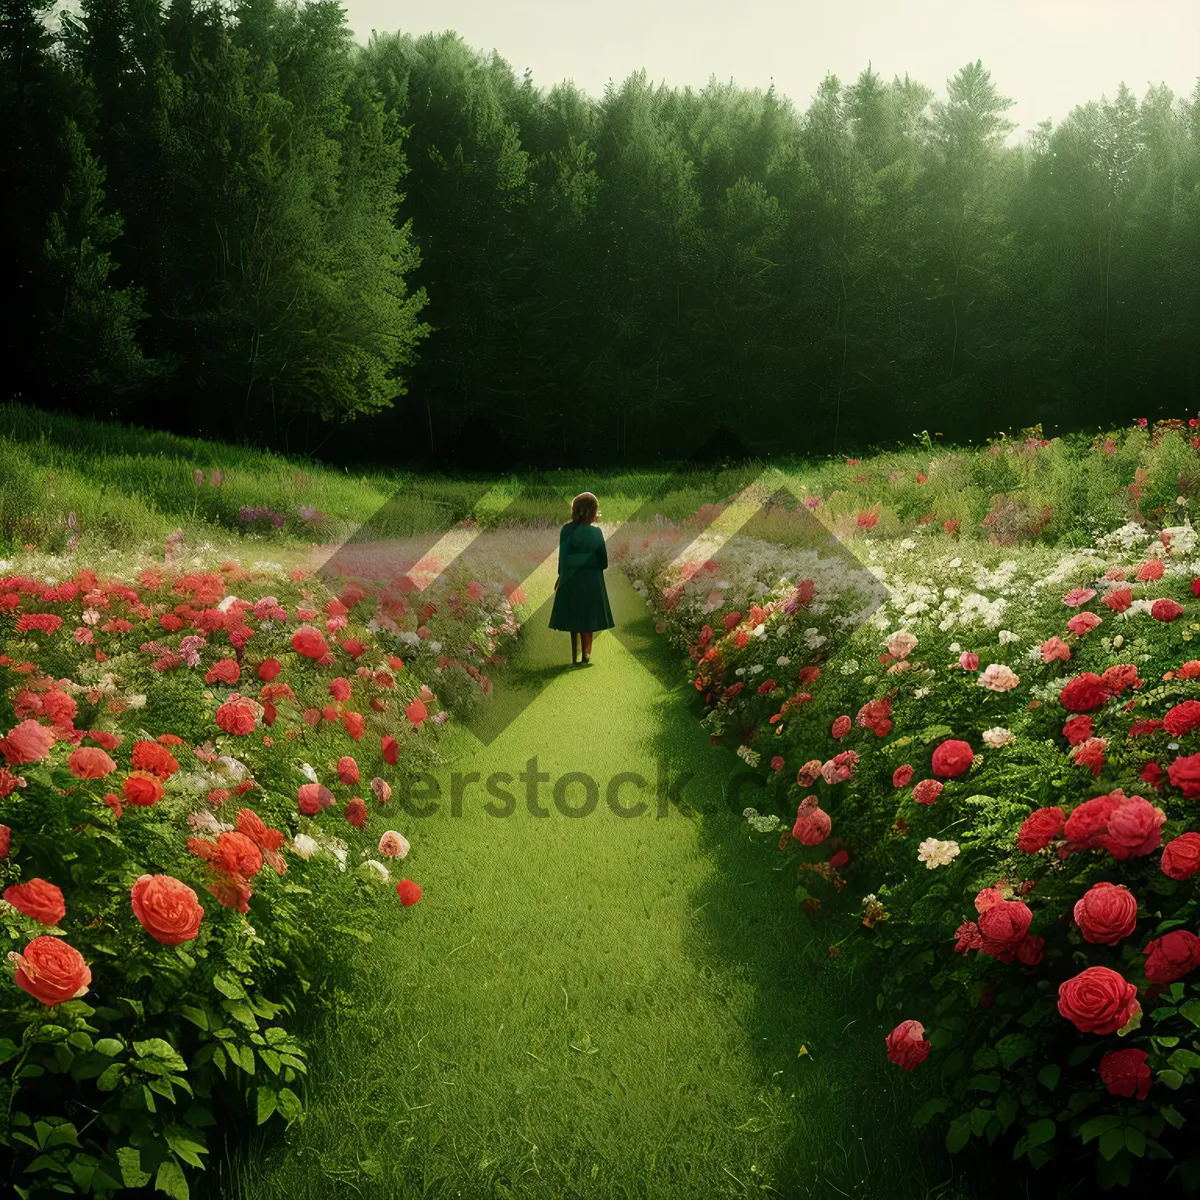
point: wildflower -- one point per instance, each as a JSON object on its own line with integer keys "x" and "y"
{"x": 934, "y": 853}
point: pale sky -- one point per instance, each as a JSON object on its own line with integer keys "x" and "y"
{"x": 1047, "y": 55}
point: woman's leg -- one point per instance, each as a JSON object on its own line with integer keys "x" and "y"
{"x": 574, "y": 647}
{"x": 586, "y": 639}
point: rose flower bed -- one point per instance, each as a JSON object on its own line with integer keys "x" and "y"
{"x": 195, "y": 773}
{"x": 1007, "y": 754}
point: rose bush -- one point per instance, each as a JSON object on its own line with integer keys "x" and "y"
{"x": 170, "y": 900}
{"x": 1025, "y": 825}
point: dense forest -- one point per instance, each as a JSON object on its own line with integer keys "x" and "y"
{"x": 232, "y": 220}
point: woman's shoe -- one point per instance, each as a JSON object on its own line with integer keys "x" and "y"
{"x": 585, "y": 661}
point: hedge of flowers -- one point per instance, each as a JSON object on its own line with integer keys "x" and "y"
{"x": 196, "y": 767}
{"x": 1007, "y": 756}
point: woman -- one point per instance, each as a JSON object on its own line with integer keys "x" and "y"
{"x": 581, "y": 599}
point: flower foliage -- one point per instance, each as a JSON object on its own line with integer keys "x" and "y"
{"x": 171, "y": 900}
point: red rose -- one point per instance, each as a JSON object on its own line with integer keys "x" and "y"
{"x": 390, "y": 751}
{"x": 141, "y": 789}
{"x": 1181, "y": 856}
{"x": 166, "y": 908}
{"x": 1088, "y": 822}
{"x": 339, "y": 689}
{"x": 1084, "y": 693}
{"x": 1166, "y": 610}
{"x": 1172, "y": 956}
{"x": 155, "y": 758}
{"x": 238, "y": 855}
{"x": 309, "y": 642}
{"x": 1118, "y": 678}
{"x": 1040, "y": 828}
{"x": 51, "y": 971}
{"x": 1106, "y": 913}
{"x": 1002, "y": 927}
{"x": 1183, "y": 718}
{"x": 1078, "y": 729}
{"x": 347, "y": 770}
{"x": 26, "y": 743}
{"x": 1098, "y": 1000}
{"x": 907, "y": 1045}
{"x": 1119, "y": 599}
{"x": 416, "y": 712}
{"x": 901, "y": 776}
{"x": 876, "y": 716}
{"x": 355, "y": 727}
{"x": 408, "y": 892}
{"x": 927, "y": 791}
{"x": 5, "y": 840}
{"x": 1184, "y": 774}
{"x": 1031, "y": 950}
{"x": 226, "y": 670}
{"x": 841, "y": 727}
{"x": 356, "y": 812}
{"x": 313, "y": 797}
{"x": 1125, "y": 1073}
{"x": 237, "y": 716}
{"x": 261, "y": 834}
{"x": 90, "y": 762}
{"x": 41, "y": 901}
{"x": 268, "y": 669}
{"x": 1134, "y": 828}
{"x": 952, "y": 758}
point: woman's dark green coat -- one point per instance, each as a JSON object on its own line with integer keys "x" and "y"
{"x": 581, "y": 601}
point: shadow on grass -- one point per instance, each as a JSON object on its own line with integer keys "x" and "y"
{"x": 812, "y": 1021}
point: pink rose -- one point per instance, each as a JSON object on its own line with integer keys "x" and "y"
{"x": 1106, "y": 913}
{"x": 907, "y": 1045}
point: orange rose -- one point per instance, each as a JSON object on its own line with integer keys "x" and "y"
{"x": 141, "y": 789}
{"x": 167, "y": 909}
{"x": 51, "y": 971}
{"x": 37, "y": 899}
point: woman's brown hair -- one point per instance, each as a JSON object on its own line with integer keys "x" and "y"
{"x": 584, "y": 508}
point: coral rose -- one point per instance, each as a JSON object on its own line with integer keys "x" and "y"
{"x": 1002, "y": 927}
{"x": 155, "y": 758}
{"x": 309, "y": 642}
{"x": 1078, "y": 729}
{"x": 1084, "y": 693}
{"x": 5, "y": 840}
{"x": 902, "y": 776}
{"x": 237, "y": 716}
{"x": 312, "y": 797}
{"x": 51, "y": 971}
{"x": 1183, "y": 718}
{"x": 1125, "y": 1073}
{"x": 347, "y": 770}
{"x": 1166, "y": 610}
{"x": 907, "y": 1045}
{"x": 90, "y": 762}
{"x": 142, "y": 789}
{"x": 812, "y": 824}
{"x": 1134, "y": 828}
{"x": 952, "y": 758}
{"x": 1181, "y": 856}
{"x": 1098, "y": 1000}
{"x": 28, "y": 742}
{"x": 268, "y": 669}
{"x": 37, "y": 899}
{"x": 261, "y": 834}
{"x": 1106, "y": 913}
{"x": 1184, "y": 774}
{"x": 1040, "y": 828}
{"x": 1172, "y": 956}
{"x": 927, "y": 791}
{"x": 238, "y": 854}
{"x": 394, "y": 845}
{"x": 166, "y": 908}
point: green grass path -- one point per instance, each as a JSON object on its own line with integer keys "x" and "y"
{"x": 600, "y": 1006}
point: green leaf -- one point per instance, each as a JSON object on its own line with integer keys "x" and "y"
{"x": 959, "y": 1135}
{"x": 197, "y": 1016}
{"x": 985, "y": 1083}
{"x": 1172, "y": 1116}
{"x": 187, "y": 1149}
{"x": 171, "y": 1179}
{"x": 8, "y": 1050}
{"x": 1172, "y": 1079}
{"x": 1184, "y": 1060}
{"x": 1135, "y": 1141}
{"x": 130, "y": 1161}
{"x": 929, "y": 1110}
{"x": 228, "y": 986}
{"x": 1049, "y": 1076}
{"x": 266, "y": 1103}
{"x": 1007, "y": 1108}
{"x": 1099, "y": 1125}
{"x": 110, "y": 1078}
{"x": 1112, "y": 1142}
{"x": 1191, "y": 1011}
{"x": 289, "y": 1105}
{"x": 160, "y": 1051}
{"x": 109, "y": 1047}
{"x": 1040, "y": 1132}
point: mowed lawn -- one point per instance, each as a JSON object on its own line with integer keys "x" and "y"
{"x": 601, "y": 1005}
